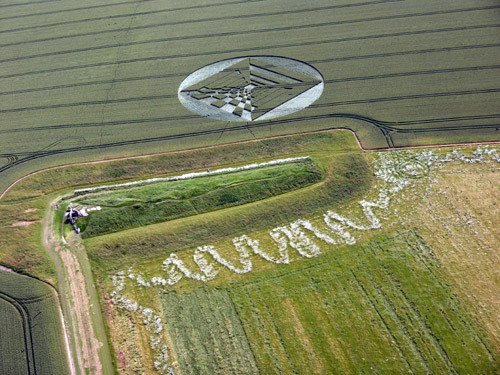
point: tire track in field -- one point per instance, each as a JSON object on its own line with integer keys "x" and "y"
{"x": 348, "y": 79}
{"x": 56, "y": 11}
{"x": 12, "y": 157}
{"x": 460, "y": 118}
{"x": 247, "y": 32}
{"x": 29, "y": 346}
{"x": 384, "y": 127}
{"x": 27, "y": 3}
{"x": 320, "y": 61}
{"x": 285, "y": 45}
{"x": 126, "y": 122}
{"x": 406, "y": 97}
{"x": 114, "y": 16}
{"x": 449, "y": 128}
{"x": 251, "y": 15}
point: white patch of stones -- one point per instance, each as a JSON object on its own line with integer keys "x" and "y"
{"x": 191, "y": 175}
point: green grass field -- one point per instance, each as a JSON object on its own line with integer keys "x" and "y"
{"x": 135, "y": 207}
{"x": 371, "y": 313}
{"x": 386, "y": 305}
{"x": 383, "y": 307}
{"x": 31, "y": 332}
{"x": 81, "y": 87}
{"x": 209, "y": 335}
{"x": 336, "y": 154}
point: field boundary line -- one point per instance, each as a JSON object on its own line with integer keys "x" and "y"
{"x": 383, "y": 127}
{"x": 52, "y": 293}
{"x": 11, "y": 186}
{"x": 448, "y": 145}
{"x": 27, "y": 334}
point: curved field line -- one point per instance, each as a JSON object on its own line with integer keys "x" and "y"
{"x": 382, "y": 126}
{"x": 285, "y": 45}
{"x": 461, "y": 118}
{"x": 345, "y": 58}
{"x": 448, "y": 128}
{"x": 11, "y": 186}
{"x": 26, "y": 323}
{"x": 193, "y": 116}
{"x": 34, "y": 299}
{"x": 71, "y": 9}
{"x": 349, "y": 79}
{"x": 39, "y": 154}
{"x": 246, "y": 32}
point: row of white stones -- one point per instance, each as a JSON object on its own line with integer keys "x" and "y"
{"x": 188, "y": 176}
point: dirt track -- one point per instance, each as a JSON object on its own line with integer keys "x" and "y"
{"x": 74, "y": 296}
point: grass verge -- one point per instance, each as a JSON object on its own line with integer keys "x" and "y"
{"x": 163, "y": 201}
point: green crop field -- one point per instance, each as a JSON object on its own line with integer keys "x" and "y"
{"x": 359, "y": 259}
{"x": 340, "y": 313}
{"x": 377, "y": 308}
{"x": 100, "y": 79}
{"x": 209, "y": 335}
{"x": 12, "y": 345}
{"x": 31, "y": 332}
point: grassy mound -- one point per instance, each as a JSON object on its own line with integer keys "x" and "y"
{"x": 143, "y": 205}
{"x": 347, "y": 177}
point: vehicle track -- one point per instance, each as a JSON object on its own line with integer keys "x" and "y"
{"x": 247, "y": 32}
{"x": 322, "y": 61}
{"x": 27, "y": 333}
{"x": 246, "y": 50}
{"x": 330, "y": 81}
{"x": 329, "y": 7}
{"x": 384, "y": 127}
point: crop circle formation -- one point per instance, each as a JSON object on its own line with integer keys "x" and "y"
{"x": 251, "y": 88}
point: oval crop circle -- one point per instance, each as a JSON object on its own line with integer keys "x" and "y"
{"x": 251, "y": 88}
